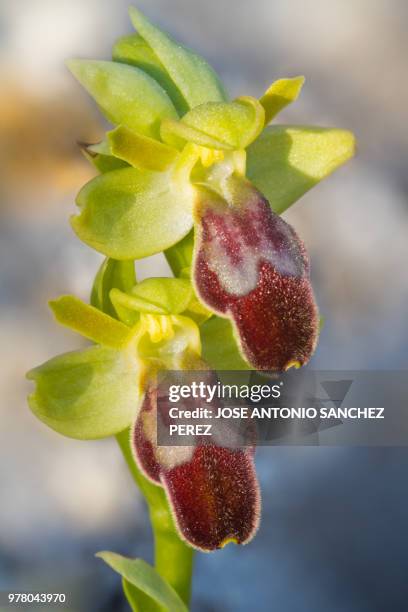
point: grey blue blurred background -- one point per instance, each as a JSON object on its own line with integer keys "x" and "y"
{"x": 334, "y": 534}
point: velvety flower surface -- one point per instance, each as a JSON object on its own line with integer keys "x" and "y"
{"x": 250, "y": 265}
{"x": 213, "y": 490}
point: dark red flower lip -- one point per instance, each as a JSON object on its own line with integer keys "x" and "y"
{"x": 212, "y": 491}
{"x": 215, "y": 497}
{"x": 251, "y": 267}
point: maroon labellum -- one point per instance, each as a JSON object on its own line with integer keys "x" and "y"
{"x": 212, "y": 490}
{"x": 251, "y": 267}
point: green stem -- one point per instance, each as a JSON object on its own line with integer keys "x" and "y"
{"x": 173, "y": 558}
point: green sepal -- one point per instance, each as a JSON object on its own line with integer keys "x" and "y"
{"x": 235, "y": 124}
{"x": 101, "y": 148}
{"x": 103, "y": 163}
{"x": 219, "y": 347}
{"x": 112, "y": 273}
{"x": 145, "y": 578}
{"x": 281, "y": 93}
{"x": 180, "y": 255}
{"x": 125, "y": 94}
{"x": 155, "y": 296}
{"x": 90, "y": 322}
{"x": 194, "y": 78}
{"x": 130, "y": 214}
{"x": 196, "y": 310}
{"x": 219, "y": 125}
{"x": 140, "y": 151}
{"x": 87, "y": 394}
{"x": 286, "y": 161}
{"x": 135, "y": 51}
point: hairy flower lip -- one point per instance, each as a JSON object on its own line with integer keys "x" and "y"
{"x": 212, "y": 490}
{"x": 228, "y": 511}
{"x": 251, "y": 267}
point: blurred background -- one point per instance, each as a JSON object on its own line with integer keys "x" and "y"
{"x": 334, "y": 531}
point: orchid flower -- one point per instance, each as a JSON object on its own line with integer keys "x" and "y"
{"x": 204, "y": 179}
{"x": 100, "y": 391}
{"x": 191, "y": 158}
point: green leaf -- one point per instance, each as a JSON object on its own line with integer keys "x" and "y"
{"x": 90, "y": 322}
{"x": 155, "y": 296}
{"x": 112, "y": 273}
{"x": 125, "y": 94}
{"x": 137, "y": 600}
{"x": 219, "y": 347}
{"x": 86, "y": 394}
{"x": 130, "y": 214}
{"x": 194, "y": 78}
{"x": 135, "y": 51}
{"x": 219, "y": 125}
{"x": 280, "y": 94}
{"x": 286, "y": 161}
{"x": 144, "y": 577}
{"x": 140, "y": 151}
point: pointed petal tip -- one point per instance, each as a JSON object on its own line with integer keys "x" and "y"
{"x": 350, "y": 139}
{"x": 30, "y": 375}
{"x": 71, "y": 64}
{"x": 75, "y": 66}
{"x": 137, "y": 18}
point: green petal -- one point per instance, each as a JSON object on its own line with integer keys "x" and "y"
{"x": 176, "y": 134}
{"x": 219, "y": 125}
{"x": 125, "y": 94}
{"x": 173, "y": 295}
{"x": 129, "y": 214}
{"x": 286, "y": 161}
{"x": 90, "y": 322}
{"x": 219, "y": 347}
{"x": 280, "y": 94}
{"x": 145, "y": 578}
{"x": 140, "y": 151}
{"x": 128, "y": 308}
{"x": 194, "y": 78}
{"x": 135, "y": 51}
{"x": 112, "y": 273}
{"x": 86, "y": 394}
{"x": 156, "y": 296}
